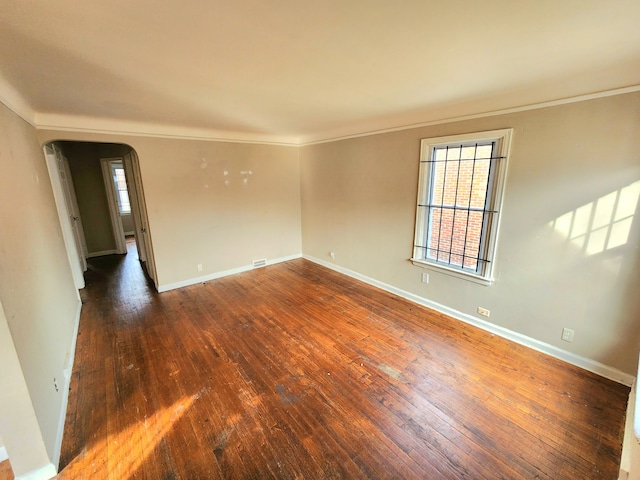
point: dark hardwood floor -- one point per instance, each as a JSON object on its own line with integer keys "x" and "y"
{"x": 295, "y": 371}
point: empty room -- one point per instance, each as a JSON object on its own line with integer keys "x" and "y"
{"x": 300, "y": 239}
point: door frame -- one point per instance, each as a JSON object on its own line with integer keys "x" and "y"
{"x": 77, "y": 258}
{"x": 139, "y": 213}
{"x": 72, "y": 232}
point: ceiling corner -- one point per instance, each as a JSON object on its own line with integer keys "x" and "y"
{"x": 10, "y": 96}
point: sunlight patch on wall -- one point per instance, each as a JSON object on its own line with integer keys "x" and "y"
{"x": 603, "y": 224}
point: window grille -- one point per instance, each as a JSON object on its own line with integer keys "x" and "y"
{"x": 458, "y": 204}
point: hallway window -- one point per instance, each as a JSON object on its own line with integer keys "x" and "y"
{"x": 121, "y": 185}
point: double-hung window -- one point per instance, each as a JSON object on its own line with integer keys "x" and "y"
{"x": 459, "y": 201}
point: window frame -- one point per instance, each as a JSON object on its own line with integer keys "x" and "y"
{"x": 494, "y": 201}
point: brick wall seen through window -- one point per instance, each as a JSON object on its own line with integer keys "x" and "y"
{"x": 460, "y": 176}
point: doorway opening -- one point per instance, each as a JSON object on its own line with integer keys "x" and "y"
{"x": 100, "y": 201}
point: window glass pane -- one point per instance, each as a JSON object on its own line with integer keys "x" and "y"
{"x": 465, "y": 176}
{"x": 433, "y": 232}
{"x": 440, "y": 154}
{"x": 121, "y": 186}
{"x": 453, "y": 153}
{"x": 451, "y": 181}
{"x": 468, "y": 152}
{"x": 485, "y": 151}
{"x": 459, "y": 237}
{"x": 437, "y": 173}
{"x": 120, "y": 178}
{"x": 472, "y": 242}
{"x": 480, "y": 173}
{"x": 459, "y": 179}
{"x": 125, "y": 207}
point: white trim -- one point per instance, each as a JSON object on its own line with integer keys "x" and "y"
{"x": 68, "y": 370}
{"x": 474, "y": 116}
{"x": 144, "y": 241}
{"x": 224, "y": 273}
{"x": 586, "y": 363}
{"x": 108, "y": 126}
{"x": 15, "y": 102}
{"x": 470, "y": 277}
{"x": 636, "y": 406}
{"x": 93, "y": 125}
{"x": 103, "y": 252}
{"x": 3, "y": 454}
{"x": 112, "y": 202}
{"x": 75, "y": 255}
{"x": 43, "y": 473}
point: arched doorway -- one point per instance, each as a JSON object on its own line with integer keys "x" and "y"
{"x": 90, "y": 198}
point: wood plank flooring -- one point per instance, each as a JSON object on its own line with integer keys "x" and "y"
{"x": 295, "y": 371}
{"x": 5, "y": 471}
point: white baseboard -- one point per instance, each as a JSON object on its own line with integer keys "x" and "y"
{"x": 65, "y": 392}
{"x": 224, "y": 273}
{"x": 586, "y": 363}
{"x": 44, "y": 473}
{"x": 102, "y": 253}
{"x": 3, "y": 454}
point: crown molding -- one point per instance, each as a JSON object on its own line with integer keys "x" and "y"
{"x": 107, "y": 126}
{"x": 337, "y": 136}
{"x": 104, "y": 126}
{"x": 15, "y": 102}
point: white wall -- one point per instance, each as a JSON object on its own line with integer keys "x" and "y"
{"x": 358, "y": 200}
{"x": 18, "y": 422}
{"x": 581, "y": 159}
{"x": 36, "y": 284}
{"x": 127, "y": 223}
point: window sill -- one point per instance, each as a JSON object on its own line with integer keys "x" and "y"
{"x": 454, "y": 273}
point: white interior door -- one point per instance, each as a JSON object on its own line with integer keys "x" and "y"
{"x": 72, "y": 201}
{"x": 69, "y": 219}
{"x": 135, "y": 208}
{"x": 139, "y": 214}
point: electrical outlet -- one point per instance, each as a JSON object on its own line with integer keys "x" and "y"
{"x": 199, "y": 267}
{"x": 55, "y": 384}
{"x": 484, "y": 312}
{"x": 425, "y": 277}
{"x": 332, "y": 255}
{"x": 567, "y": 334}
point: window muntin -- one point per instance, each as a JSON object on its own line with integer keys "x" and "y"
{"x": 459, "y": 198}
